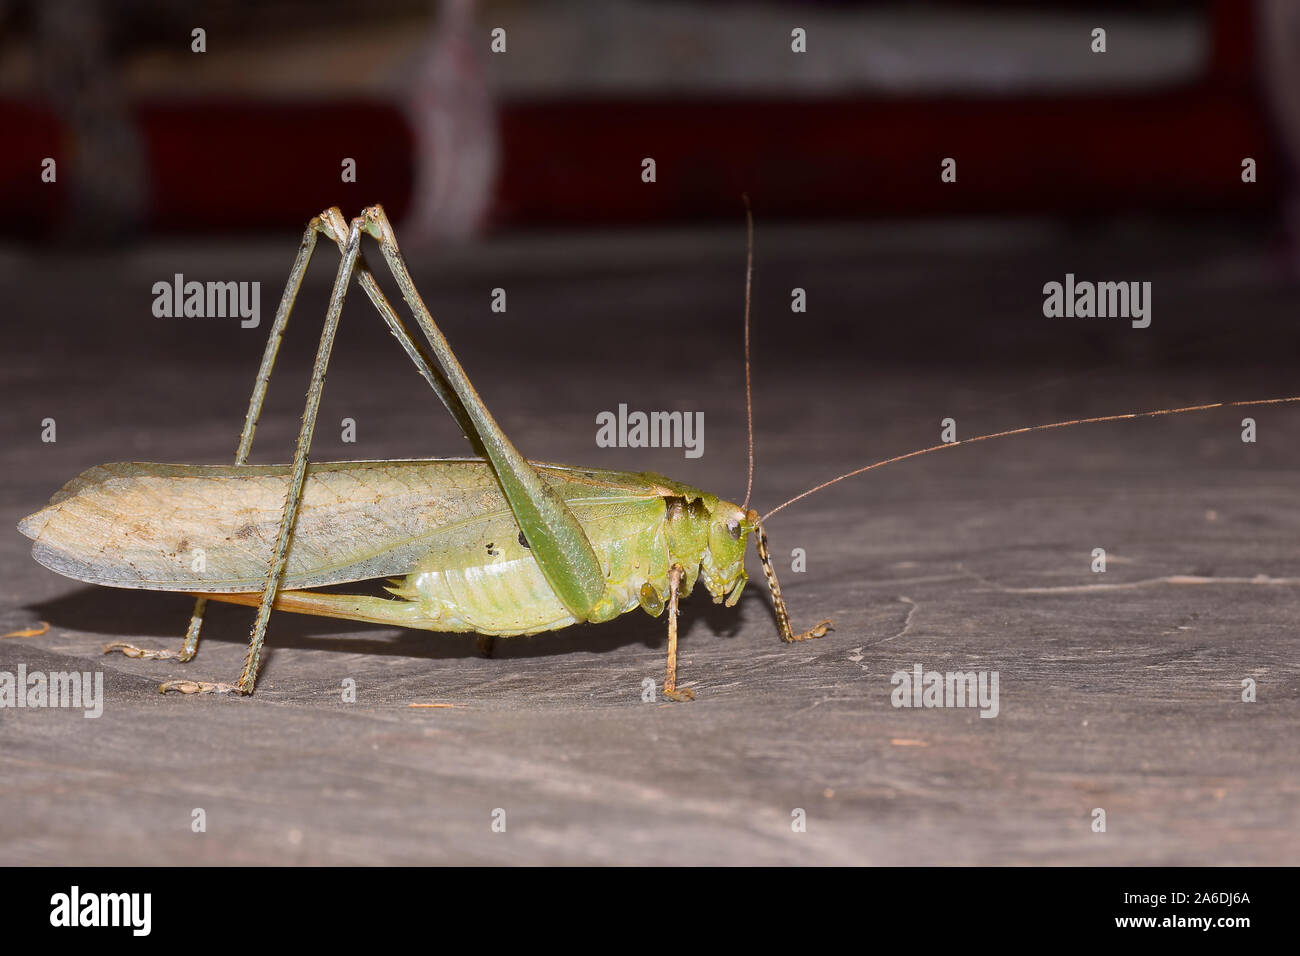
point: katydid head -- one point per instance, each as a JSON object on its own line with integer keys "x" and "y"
{"x": 722, "y": 567}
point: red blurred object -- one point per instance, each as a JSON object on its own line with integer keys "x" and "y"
{"x": 1169, "y": 152}
{"x": 571, "y": 163}
{"x": 239, "y": 166}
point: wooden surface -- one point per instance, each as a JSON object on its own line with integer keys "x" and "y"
{"x": 1118, "y": 690}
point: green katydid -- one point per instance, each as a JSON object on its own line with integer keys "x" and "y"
{"x": 496, "y": 544}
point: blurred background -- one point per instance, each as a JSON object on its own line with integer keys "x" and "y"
{"x": 459, "y": 129}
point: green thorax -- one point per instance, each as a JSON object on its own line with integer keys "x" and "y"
{"x": 708, "y": 536}
{"x": 489, "y": 583}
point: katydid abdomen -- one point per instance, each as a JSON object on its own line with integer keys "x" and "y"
{"x": 442, "y": 526}
{"x": 481, "y": 577}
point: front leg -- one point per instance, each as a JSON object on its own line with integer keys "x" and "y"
{"x": 778, "y": 603}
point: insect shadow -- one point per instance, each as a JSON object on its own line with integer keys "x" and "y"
{"x": 116, "y": 613}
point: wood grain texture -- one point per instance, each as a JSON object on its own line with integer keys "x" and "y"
{"x": 1119, "y": 691}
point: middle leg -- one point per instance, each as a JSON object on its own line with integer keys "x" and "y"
{"x": 670, "y": 679}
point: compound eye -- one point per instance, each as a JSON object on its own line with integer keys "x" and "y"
{"x": 733, "y": 527}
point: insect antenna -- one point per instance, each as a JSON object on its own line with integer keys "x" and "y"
{"x": 749, "y": 398}
{"x": 764, "y": 555}
{"x": 783, "y": 617}
{"x": 1023, "y": 431}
